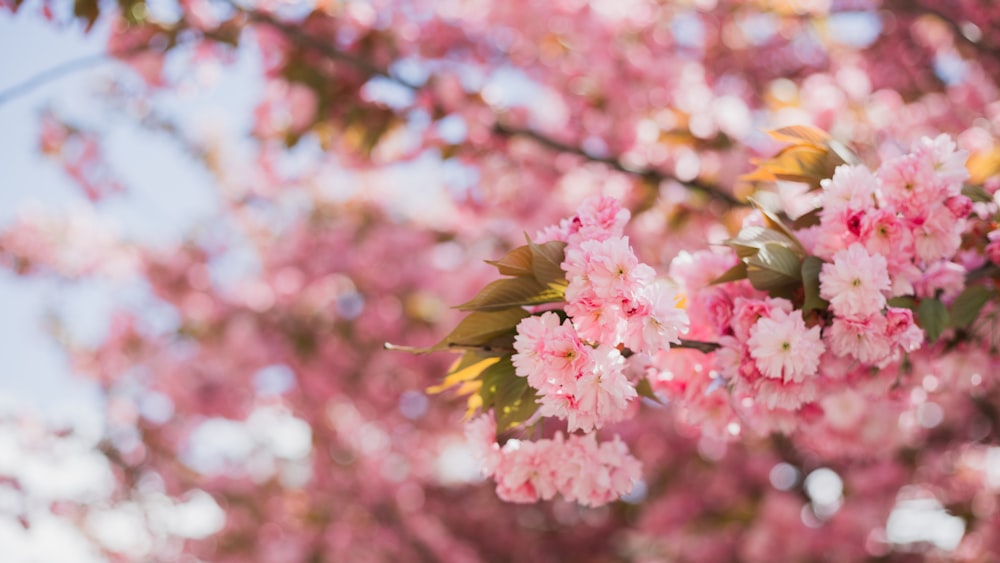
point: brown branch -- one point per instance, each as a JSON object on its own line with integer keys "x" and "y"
{"x": 700, "y": 345}
{"x": 702, "y": 186}
{"x": 305, "y": 40}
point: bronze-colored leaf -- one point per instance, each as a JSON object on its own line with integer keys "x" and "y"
{"x": 773, "y": 266}
{"x": 546, "y": 262}
{"x": 481, "y": 329}
{"x": 517, "y": 262}
{"x": 801, "y": 134}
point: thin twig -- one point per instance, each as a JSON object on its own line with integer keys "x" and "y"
{"x": 66, "y": 68}
{"x": 647, "y": 173}
{"x": 700, "y": 345}
{"x": 305, "y": 40}
{"x": 51, "y": 74}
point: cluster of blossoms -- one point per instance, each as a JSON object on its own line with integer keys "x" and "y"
{"x": 577, "y": 359}
{"x": 613, "y": 302}
{"x": 577, "y": 467}
{"x": 889, "y": 234}
{"x": 886, "y": 238}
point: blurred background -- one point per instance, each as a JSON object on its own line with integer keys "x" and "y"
{"x": 214, "y": 213}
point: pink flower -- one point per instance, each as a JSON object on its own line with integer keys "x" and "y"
{"x": 549, "y": 353}
{"x": 594, "y": 474}
{"x": 993, "y": 248}
{"x": 854, "y": 283}
{"x": 942, "y": 276}
{"x": 883, "y": 232}
{"x": 609, "y": 268}
{"x": 655, "y": 321}
{"x": 851, "y": 186}
{"x": 480, "y": 433}
{"x": 596, "y": 320}
{"x": 577, "y": 467}
{"x": 947, "y": 162}
{"x": 526, "y": 471}
{"x": 938, "y": 235}
{"x": 862, "y": 338}
{"x": 901, "y": 329}
{"x": 598, "y": 218}
{"x": 783, "y": 348}
{"x": 602, "y": 393}
{"x": 909, "y": 185}
{"x": 746, "y": 313}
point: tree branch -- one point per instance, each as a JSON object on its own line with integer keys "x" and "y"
{"x": 702, "y": 186}
{"x": 700, "y": 345}
{"x": 50, "y": 74}
{"x": 302, "y": 39}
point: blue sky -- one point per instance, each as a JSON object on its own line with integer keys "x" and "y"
{"x": 167, "y": 193}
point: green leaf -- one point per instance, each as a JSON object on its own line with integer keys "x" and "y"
{"x": 736, "y": 273}
{"x": 811, "y": 267}
{"x": 511, "y": 292}
{"x": 966, "y": 307}
{"x": 493, "y": 378}
{"x": 904, "y": 302}
{"x": 773, "y": 266}
{"x": 517, "y": 262}
{"x": 514, "y": 401}
{"x": 485, "y": 329}
{"x": 977, "y": 194}
{"x": 645, "y": 389}
{"x": 932, "y": 316}
{"x": 546, "y": 262}
{"x": 467, "y": 368}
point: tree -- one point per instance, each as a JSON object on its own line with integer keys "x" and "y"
{"x": 804, "y": 412}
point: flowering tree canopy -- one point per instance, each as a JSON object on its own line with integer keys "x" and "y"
{"x": 708, "y": 280}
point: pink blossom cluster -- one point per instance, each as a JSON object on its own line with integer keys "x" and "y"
{"x": 612, "y": 300}
{"x": 576, "y": 467}
{"x": 888, "y": 234}
{"x": 771, "y": 354}
{"x": 893, "y": 233}
{"x": 907, "y": 219}
{"x": 577, "y": 360}
{"x": 586, "y": 386}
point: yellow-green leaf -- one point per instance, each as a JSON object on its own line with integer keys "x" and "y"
{"x": 467, "y": 368}
{"x": 482, "y": 329}
{"x": 512, "y": 292}
{"x": 512, "y": 399}
{"x": 801, "y": 134}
